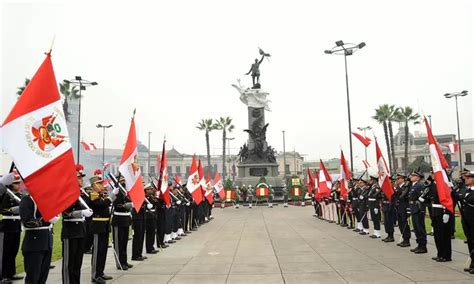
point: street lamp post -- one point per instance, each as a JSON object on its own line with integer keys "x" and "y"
{"x": 103, "y": 140}
{"x": 284, "y": 157}
{"x": 346, "y": 49}
{"x": 78, "y": 81}
{"x": 456, "y": 95}
{"x": 365, "y": 129}
{"x": 149, "y": 153}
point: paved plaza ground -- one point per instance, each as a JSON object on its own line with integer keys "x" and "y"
{"x": 283, "y": 245}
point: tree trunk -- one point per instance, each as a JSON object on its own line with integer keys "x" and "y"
{"x": 392, "y": 147}
{"x": 385, "y": 130}
{"x": 223, "y": 154}
{"x": 405, "y": 166}
{"x": 208, "y": 152}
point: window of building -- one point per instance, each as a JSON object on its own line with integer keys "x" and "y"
{"x": 469, "y": 159}
{"x": 169, "y": 169}
{"x": 187, "y": 171}
{"x": 178, "y": 169}
{"x": 152, "y": 170}
{"x": 287, "y": 168}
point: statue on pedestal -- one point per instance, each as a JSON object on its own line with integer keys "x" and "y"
{"x": 255, "y": 69}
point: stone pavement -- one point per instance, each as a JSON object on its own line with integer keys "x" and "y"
{"x": 283, "y": 245}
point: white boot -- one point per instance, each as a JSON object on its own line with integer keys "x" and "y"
{"x": 302, "y": 203}
{"x": 167, "y": 238}
{"x": 222, "y": 205}
{"x": 250, "y": 205}
{"x": 173, "y": 235}
{"x": 285, "y": 204}
{"x": 237, "y": 206}
{"x": 180, "y": 232}
{"x": 270, "y": 205}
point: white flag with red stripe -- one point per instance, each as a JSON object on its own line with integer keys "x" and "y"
{"x": 209, "y": 192}
{"x": 439, "y": 165}
{"x": 88, "y": 146}
{"x": 453, "y": 147}
{"x": 193, "y": 185}
{"x": 38, "y": 141}
{"x": 130, "y": 169}
{"x": 219, "y": 186}
{"x": 344, "y": 177}
{"x": 163, "y": 181}
{"x": 325, "y": 181}
{"x": 384, "y": 173}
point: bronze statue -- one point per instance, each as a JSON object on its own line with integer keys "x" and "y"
{"x": 255, "y": 69}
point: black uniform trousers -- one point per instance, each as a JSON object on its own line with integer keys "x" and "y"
{"x": 37, "y": 264}
{"x": 442, "y": 235}
{"x": 99, "y": 254}
{"x": 10, "y": 244}
{"x": 150, "y": 228}
{"x": 375, "y": 216}
{"x": 160, "y": 226}
{"x": 403, "y": 225}
{"x": 138, "y": 226}
{"x": 468, "y": 227}
{"x": 418, "y": 219}
{"x": 389, "y": 218}
{"x": 363, "y": 216}
{"x": 120, "y": 237}
{"x": 73, "y": 252}
{"x": 89, "y": 239}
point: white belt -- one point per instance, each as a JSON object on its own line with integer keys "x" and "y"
{"x": 437, "y": 206}
{"x": 354, "y": 198}
{"x": 9, "y": 217}
{"x": 38, "y": 228}
{"x": 74, "y": 220}
{"x": 372, "y": 199}
{"x": 151, "y": 210}
{"x": 122, "y": 213}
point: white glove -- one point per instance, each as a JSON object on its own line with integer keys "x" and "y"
{"x": 376, "y": 211}
{"x": 115, "y": 191}
{"x": 189, "y": 203}
{"x": 445, "y": 218}
{"x": 7, "y": 179}
{"x": 54, "y": 219}
{"x": 361, "y": 197}
{"x": 178, "y": 202}
{"x": 128, "y": 205}
{"x": 149, "y": 205}
{"x": 421, "y": 199}
{"x": 87, "y": 212}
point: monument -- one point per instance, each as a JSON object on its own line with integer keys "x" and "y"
{"x": 256, "y": 158}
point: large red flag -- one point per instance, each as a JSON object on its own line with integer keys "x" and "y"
{"x": 193, "y": 185}
{"x": 325, "y": 181}
{"x": 130, "y": 169}
{"x": 163, "y": 181}
{"x": 219, "y": 186}
{"x": 344, "y": 177}
{"x": 37, "y": 139}
{"x": 364, "y": 140}
{"x": 439, "y": 164}
{"x": 310, "y": 182}
{"x": 202, "y": 180}
{"x": 384, "y": 173}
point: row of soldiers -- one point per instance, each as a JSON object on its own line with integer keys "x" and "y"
{"x": 87, "y": 224}
{"x": 413, "y": 196}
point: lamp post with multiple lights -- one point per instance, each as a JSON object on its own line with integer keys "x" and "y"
{"x": 455, "y": 96}
{"x": 103, "y": 140}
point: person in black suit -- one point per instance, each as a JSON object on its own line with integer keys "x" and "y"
{"x": 468, "y": 217}
{"x": 417, "y": 210}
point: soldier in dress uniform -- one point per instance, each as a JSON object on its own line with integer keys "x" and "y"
{"x": 363, "y": 206}
{"x": 10, "y": 226}
{"x": 37, "y": 242}
{"x": 160, "y": 221}
{"x": 389, "y": 216}
{"x": 417, "y": 210}
{"x": 138, "y": 225}
{"x": 101, "y": 206}
{"x": 121, "y": 221}
{"x": 72, "y": 236}
{"x": 468, "y": 217}
{"x": 373, "y": 200}
{"x": 355, "y": 192}
{"x": 348, "y": 206}
{"x": 150, "y": 219}
{"x": 402, "y": 189}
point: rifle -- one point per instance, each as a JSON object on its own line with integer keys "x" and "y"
{"x": 116, "y": 184}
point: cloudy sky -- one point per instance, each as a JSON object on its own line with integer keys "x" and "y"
{"x": 175, "y": 62}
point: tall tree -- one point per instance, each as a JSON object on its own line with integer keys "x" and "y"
{"x": 22, "y": 88}
{"x": 207, "y": 125}
{"x": 224, "y": 124}
{"x": 405, "y": 116}
{"x": 382, "y": 115}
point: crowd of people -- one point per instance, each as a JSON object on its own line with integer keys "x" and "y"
{"x": 101, "y": 210}
{"x": 413, "y": 197}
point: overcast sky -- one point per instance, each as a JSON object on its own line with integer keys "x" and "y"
{"x": 175, "y": 62}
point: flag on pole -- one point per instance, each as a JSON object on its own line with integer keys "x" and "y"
{"x": 344, "y": 177}
{"x": 384, "y": 173}
{"x": 202, "y": 180}
{"x": 316, "y": 186}
{"x": 310, "y": 182}
{"x": 38, "y": 142}
{"x": 193, "y": 185}
{"x": 88, "y": 146}
{"x": 364, "y": 140}
{"x": 325, "y": 181}
{"x": 130, "y": 169}
{"x": 453, "y": 147}
{"x": 219, "y": 186}
{"x": 439, "y": 165}
{"x": 209, "y": 195}
{"x": 163, "y": 181}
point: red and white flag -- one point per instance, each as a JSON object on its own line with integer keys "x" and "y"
{"x": 193, "y": 185}
{"x": 38, "y": 142}
{"x": 316, "y": 186}
{"x": 88, "y": 146}
{"x": 325, "y": 180}
{"x": 384, "y": 173}
{"x": 344, "y": 177}
{"x": 130, "y": 169}
{"x": 310, "y": 182}
{"x": 209, "y": 195}
{"x": 364, "y": 140}
{"x": 219, "y": 186}
{"x": 202, "y": 180}
{"x": 163, "y": 181}
{"x": 366, "y": 164}
{"x": 439, "y": 164}
{"x": 453, "y": 147}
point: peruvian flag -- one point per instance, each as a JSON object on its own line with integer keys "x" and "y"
{"x": 364, "y": 140}
{"x": 325, "y": 181}
{"x": 37, "y": 139}
{"x": 209, "y": 196}
{"x": 316, "y": 186}
{"x": 88, "y": 146}
{"x": 310, "y": 182}
{"x": 130, "y": 169}
{"x": 163, "y": 181}
{"x": 202, "y": 181}
{"x": 219, "y": 186}
{"x": 439, "y": 164}
{"x": 384, "y": 173}
{"x": 193, "y": 185}
{"x": 453, "y": 147}
{"x": 344, "y": 177}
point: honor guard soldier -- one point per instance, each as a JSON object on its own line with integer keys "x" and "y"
{"x": 100, "y": 205}
{"x": 73, "y": 234}
{"x": 138, "y": 226}
{"x": 37, "y": 242}
{"x": 10, "y": 226}
{"x": 160, "y": 221}
{"x": 121, "y": 221}
{"x": 355, "y": 192}
{"x": 389, "y": 216}
{"x": 363, "y": 196}
{"x": 150, "y": 219}
{"x": 417, "y": 210}
{"x": 468, "y": 217}
{"x": 373, "y": 200}
{"x": 402, "y": 189}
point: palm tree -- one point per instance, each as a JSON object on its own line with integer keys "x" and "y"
{"x": 392, "y": 117}
{"x": 224, "y": 124}
{"x": 382, "y": 115}
{"x": 22, "y": 88}
{"x": 406, "y": 115}
{"x": 207, "y": 125}
{"x": 69, "y": 92}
